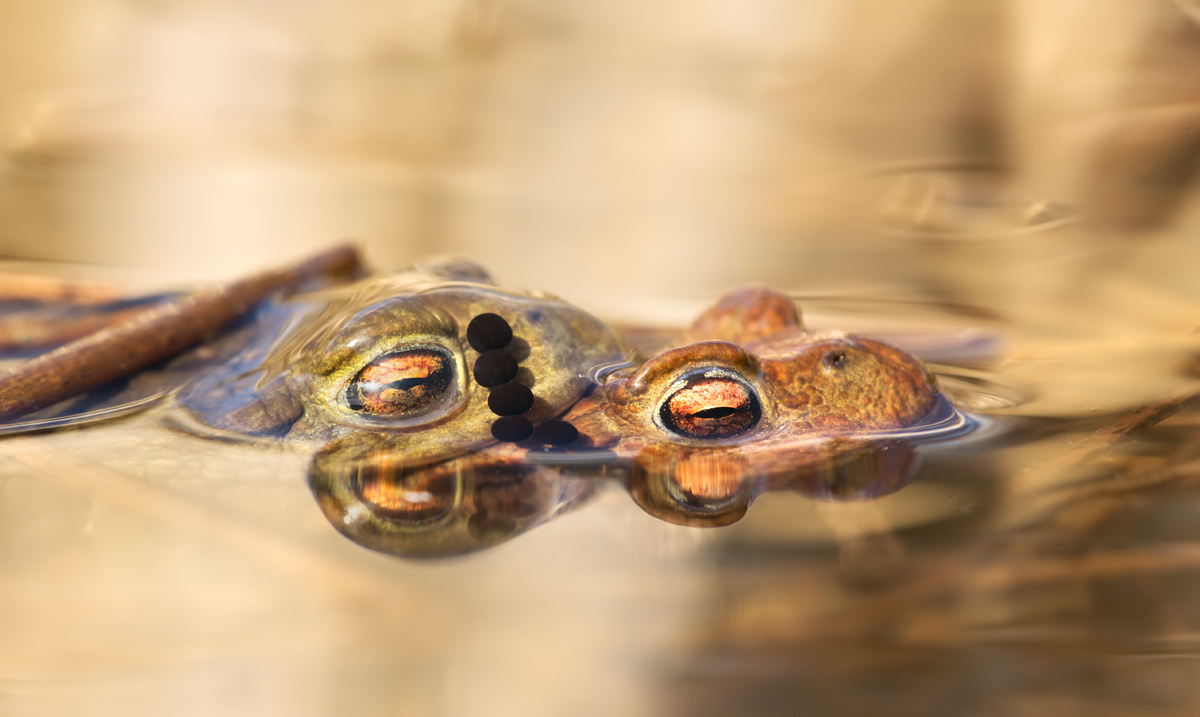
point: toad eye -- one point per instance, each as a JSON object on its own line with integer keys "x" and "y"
{"x": 711, "y": 407}
{"x": 400, "y": 382}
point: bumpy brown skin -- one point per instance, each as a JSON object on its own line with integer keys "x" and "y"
{"x": 744, "y": 315}
{"x": 811, "y": 385}
{"x": 304, "y": 376}
{"x": 821, "y": 396}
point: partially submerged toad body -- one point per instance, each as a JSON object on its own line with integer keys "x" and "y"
{"x": 448, "y": 414}
{"x": 412, "y": 363}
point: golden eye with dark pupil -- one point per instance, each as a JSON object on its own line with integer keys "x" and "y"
{"x": 402, "y": 382}
{"x": 711, "y": 407}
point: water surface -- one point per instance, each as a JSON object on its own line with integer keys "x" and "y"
{"x": 1040, "y": 556}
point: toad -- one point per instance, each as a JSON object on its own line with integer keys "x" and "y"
{"x": 435, "y": 361}
{"x": 431, "y": 363}
{"x": 751, "y": 402}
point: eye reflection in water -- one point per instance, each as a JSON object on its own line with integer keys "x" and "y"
{"x": 715, "y": 487}
{"x": 455, "y": 507}
{"x": 479, "y": 501}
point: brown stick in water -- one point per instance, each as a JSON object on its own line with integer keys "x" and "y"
{"x": 31, "y": 333}
{"x": 150, "y": 336}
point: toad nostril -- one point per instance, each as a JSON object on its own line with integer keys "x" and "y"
{"x": 835, "y": 359}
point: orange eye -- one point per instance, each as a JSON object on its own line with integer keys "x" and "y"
{"x": 402, "y": 382}
{"x": 711, "y": 407}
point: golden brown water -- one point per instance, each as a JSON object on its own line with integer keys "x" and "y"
{"x": 1003, "y": 187}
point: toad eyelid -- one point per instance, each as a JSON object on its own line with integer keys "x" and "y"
{"x": 710, "y": 372}
{"x": 403, "y": 346}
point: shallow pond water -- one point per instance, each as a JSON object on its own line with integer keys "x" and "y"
{"x": 1041, "y": 557}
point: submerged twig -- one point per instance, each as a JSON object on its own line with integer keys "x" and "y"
{"x": 150, "y": 336}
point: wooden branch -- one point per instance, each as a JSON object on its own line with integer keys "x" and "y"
{"x": 150, "y": 336}
{"x": 35, "y": 333}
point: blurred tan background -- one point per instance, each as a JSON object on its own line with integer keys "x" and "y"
{"x": 605, "y": 151}
{"x": 1015, "y": 155}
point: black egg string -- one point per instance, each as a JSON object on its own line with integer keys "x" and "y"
{"x": 495, "y": 369}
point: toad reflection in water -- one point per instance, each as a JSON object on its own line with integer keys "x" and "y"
{"x": 448, "y": 415}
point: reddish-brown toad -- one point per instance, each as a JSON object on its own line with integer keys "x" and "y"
{"x": 753, "y": 402}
